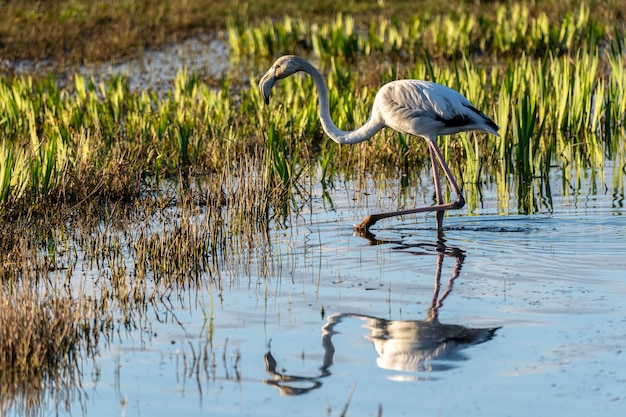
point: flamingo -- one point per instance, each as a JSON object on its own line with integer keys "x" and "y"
{"x": 415, "y": 107}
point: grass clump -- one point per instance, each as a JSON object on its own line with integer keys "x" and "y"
{"x": 43, "y": 340}
{"x": 511, "y": 29}
{"x": 49, "y": 146}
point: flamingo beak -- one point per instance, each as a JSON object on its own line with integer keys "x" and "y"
{"x": 266, "y": 84}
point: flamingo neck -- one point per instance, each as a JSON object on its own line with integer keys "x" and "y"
{"x": 365, "y": 132}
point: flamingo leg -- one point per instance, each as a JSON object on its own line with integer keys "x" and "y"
{"x": 440, "y": 207}
{"x": 438, "y": 193}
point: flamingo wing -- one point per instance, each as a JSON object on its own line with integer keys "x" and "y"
{"x": 428, "y": 109}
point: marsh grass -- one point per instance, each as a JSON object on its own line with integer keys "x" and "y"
{"x": 66, "y": 145}
{"x": 151, "y": 194}
{"x": 44, "y": 339}
{"x": 67, "y": 289}
{"x": 511, "y": 29}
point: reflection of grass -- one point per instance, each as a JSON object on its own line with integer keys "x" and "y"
{"x": 46, "y": 334}
{"x": 43, "y": 340}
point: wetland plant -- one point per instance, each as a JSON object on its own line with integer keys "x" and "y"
{"x": 44, "y": 340}
{"x": 189, "y": 183}
{"x": 511, "y": 29}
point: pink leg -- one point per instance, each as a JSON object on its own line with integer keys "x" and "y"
{"x": 436, "y": 155}
{"x": 438, "y": 193}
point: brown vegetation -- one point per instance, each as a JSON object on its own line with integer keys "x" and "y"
{"x": 82, "y": 31}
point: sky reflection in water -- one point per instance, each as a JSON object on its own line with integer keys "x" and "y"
{"x": 519, "y": 315}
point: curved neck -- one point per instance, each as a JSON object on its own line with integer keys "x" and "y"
{"x": 365, "y": 132}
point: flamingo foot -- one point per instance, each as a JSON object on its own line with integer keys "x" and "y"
{"x": 363, "y": 228}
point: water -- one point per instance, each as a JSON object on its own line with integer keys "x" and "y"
{"x": 507, "y": 315}
{"x": 154, "y": 70}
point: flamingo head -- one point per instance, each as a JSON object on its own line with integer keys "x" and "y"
{"x": 282, "y": 68}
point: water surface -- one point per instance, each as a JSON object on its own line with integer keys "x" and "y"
{"x": 502, "y": 315}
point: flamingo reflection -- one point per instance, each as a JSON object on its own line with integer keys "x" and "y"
{"x": 402, "y": 345}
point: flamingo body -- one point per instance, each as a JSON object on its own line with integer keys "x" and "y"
{"x": 415, "y": 107}
{"x": 427, "y": 109}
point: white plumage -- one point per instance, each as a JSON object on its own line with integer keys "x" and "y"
{"x": 427, "y": 109}
{"x": 415, "y": 107}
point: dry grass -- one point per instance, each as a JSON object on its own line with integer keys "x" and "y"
{"x": 43, "y": 339}
{"x": 81, "y": 31}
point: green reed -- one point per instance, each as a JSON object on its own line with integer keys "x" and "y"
{"x": 512, "y": 29}
{"x": 557, "y": 106}
{"x": 284, "y": 165}
{"x": 102, "y": 127}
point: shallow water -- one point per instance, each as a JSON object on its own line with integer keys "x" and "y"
{"x": 154, "y": 70}
{"x": 507, "y": 315}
